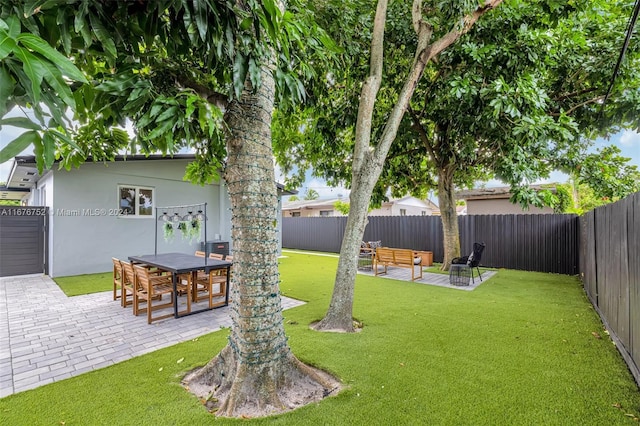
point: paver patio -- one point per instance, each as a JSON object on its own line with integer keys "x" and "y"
{"x": 46, "y": 336}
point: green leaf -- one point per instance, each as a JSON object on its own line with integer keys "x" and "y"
{"x": 7, "y": 44}
{"x": 63, "y": 25}
{"x": 6, "y": 89}
{"x": 59, "y": 60}
{"x": 13, "y": 26}
{"x": 161, "y": 128}
{"x": 54, "y": 78}
{"x": 22, "y": 122}
{"x": 167, "y": 114}
{"x": 19, "y": 144}
{"x": 118, "y": 84}
{"x": 49, "y": 149}
{"x": 103, "y": 36}
{"x": 33, "y": 68}
{"x": 64, "y": 138}
{"x": 239, "y": 73}
{"x": 201, "y": 17}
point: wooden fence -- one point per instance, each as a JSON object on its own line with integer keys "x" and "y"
{"x": 610, "y": 272}
{"x": 545, "y": 243}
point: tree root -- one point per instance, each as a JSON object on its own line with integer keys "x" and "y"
{"x": 233, "y": 389}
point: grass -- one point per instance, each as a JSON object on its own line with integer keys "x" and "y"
{"x": 84, "y": 284}
{"x": 519, "y": 349}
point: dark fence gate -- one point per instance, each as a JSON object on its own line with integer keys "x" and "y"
{"x": 545, "y": 243}
{"x": 23, "y": 240}
{"x": 610, "y": 269}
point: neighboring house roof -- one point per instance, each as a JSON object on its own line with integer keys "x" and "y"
{"x": 329, "y": 203}
{"x": 489, "y": 193}
{"x": 406, "y": 201}
{"x": 24, "y": 173}
{"x": 311, "y": 204}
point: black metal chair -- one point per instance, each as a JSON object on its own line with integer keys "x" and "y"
{"x": 473, "y": 260}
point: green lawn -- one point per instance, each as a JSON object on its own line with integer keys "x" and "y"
{"x": 518, "y": 350}
{"x": 84, "y": 284}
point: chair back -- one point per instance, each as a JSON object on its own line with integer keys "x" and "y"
{"x": 478, "y": 248}
{"x": 128, "y": 274}
{"x": 117, "y": 271}
{"x": 216, "y": 256}
{"x": 142, "y": 278}
{"x": 229, "y": 258}
{"x": 200, "y": 253}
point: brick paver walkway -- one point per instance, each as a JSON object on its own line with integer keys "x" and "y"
{"x": 46, "y": 336}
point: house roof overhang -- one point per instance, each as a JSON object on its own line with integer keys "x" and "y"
{"x": 24, "y": 174}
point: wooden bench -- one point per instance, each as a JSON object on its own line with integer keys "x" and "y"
{"x": 401, "y": 258}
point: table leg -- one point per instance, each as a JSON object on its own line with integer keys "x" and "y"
{"x": 174, "y": 277}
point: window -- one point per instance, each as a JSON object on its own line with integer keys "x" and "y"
{"x": 403, "y": 212}
{"x": 135, "y": 201}
{"x": 326, "y": 213}
{"x": 295, "y": 214}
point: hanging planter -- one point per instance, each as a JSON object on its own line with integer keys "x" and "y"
{"x": 167, "y": 227}
{"x": 184, "y": 228}
{"x": 194, "y": 230}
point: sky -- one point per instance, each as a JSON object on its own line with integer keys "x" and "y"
{"x": 627, "y": 140}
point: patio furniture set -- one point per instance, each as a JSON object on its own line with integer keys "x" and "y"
{"x": 374, "y": 256}
{"x": 143, "y": 281}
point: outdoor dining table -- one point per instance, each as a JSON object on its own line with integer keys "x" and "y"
{"x": 181, "y": 263}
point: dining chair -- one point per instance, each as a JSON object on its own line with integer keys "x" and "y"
{"x": 204, "y": 283}
{"x": 147, "y": 287}
{"x": 117, "y": 278}
{"x": 128, "y": 285}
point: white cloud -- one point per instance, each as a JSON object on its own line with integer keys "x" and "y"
{"x": 629, "y": 138}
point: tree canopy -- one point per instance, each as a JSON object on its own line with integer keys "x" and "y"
{"x": 511, "y": 99}
{"x": 169, "y": 67}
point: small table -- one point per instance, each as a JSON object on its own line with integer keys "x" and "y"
{"x": 459, "y": 274}
{"x": 181, "y": 263}
{"x": 365, "y": 260}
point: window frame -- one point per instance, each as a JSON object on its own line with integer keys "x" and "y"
{"x": 136, "y": 208}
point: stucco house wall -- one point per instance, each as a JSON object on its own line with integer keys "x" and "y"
{"x": 86, "y": 230}
{"x": 502, "y": 206}
{"x": 411, "y": 206}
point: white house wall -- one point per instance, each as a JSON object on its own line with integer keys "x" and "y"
{"x": 85, "y": 243}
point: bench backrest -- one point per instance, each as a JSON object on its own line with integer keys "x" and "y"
{"x": 390, "y": 255}
{"x": 404, "y": 256}
{"x": 384, "y": 255}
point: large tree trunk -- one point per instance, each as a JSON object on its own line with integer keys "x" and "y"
{"x": 339, "y": 317}
{"x": 255, "y": 374}
{"x": 447, "y": 202}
